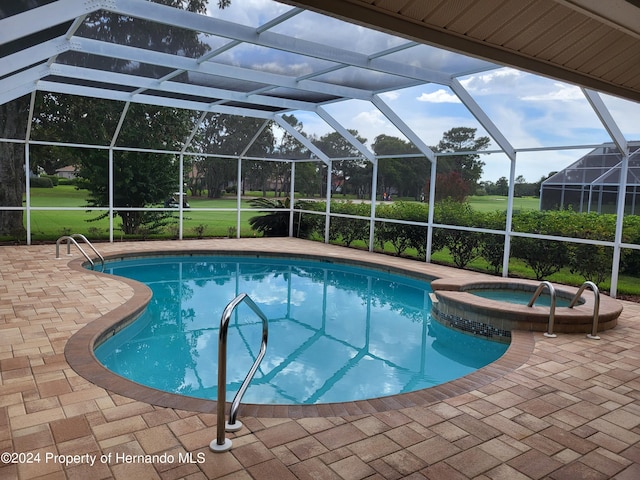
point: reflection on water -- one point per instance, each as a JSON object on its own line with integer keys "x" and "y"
{"x": 336, "y": 333}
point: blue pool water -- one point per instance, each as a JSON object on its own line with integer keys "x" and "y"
{"x": 336, "y": 333}
{"x": 519, "y": 297}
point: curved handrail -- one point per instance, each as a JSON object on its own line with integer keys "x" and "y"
{"x": 552, "y": 310}
{"x": 69, "y": 241}
{"x": 71, "y": 238}
{"x": 84, "y": 239}
{"x": 222, "y": 444}
{"x": 596, "y": 306}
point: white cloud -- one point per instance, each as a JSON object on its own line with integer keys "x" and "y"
{"x": 280, "y": 68}
{"x": 562, "y": 93}
{"x": 390, "y": 96}
{"x": 248, "y": 12}
{"x": 504, "y": 79}
{"x": 373, "y": 118}
{"x": 439, "y": 96}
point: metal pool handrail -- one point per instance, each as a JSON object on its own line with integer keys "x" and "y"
{"x": 222, "y": 444}
{"x": 596, "y": 306}
{"x": 71, "y": 239}
{"x": 552, "y": 310}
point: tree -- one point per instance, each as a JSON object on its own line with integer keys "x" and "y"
{"x": 450, "y": 185}
{"x": 12, "y": 175}
{"x": 112, "y": 28}
{"x": 229, "y": 135}
{"x": 502, "y": 186}
{"x": 407, "y": 175}
{"x": 537, "y": 187}
{"x": 290, "y": 148}
{"x": 343, "y": 170}
{"x": 462, "y": 139}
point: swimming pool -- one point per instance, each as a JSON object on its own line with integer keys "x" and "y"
{"x": 337, "y": 332}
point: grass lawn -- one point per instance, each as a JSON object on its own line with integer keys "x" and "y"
{"x": 51, "y": 224}
{"x": 490, "y": 203}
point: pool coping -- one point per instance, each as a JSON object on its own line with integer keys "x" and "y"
{"x": 79, "y": 353}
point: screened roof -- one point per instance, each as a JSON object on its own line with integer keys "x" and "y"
{"x": 278, "y": 58}
{"x": 593, "y": 43}
{"x": 257, "y": 69}
{"x": 601, "y": 166}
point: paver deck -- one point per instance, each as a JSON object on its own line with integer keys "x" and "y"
{"x": 562, "y": 408}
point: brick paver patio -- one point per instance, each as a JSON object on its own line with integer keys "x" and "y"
{"x": 563, "y": 408}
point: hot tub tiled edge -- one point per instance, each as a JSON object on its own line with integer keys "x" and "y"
{"x": 455, "y": 307}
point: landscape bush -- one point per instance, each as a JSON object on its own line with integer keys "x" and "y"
{"x": 544, "y": 257}
{"x": 41, "y": 182}
{"x": 464, "y": 246}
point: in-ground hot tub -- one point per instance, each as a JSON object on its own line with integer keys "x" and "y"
{"x": 466, "y": 305}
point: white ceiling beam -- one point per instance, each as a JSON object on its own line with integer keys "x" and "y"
{"x": 44, "y": 17}
{"x": 15, "y": 86}
{"x": 302, "y": 139}
{"x": 57, "y": 87}
{"x": 292, "y": 12}
{"x": 176, "y": 87}
{"x": 403, "y": 127}
{"x": 37, "y": 54}
{"x": 213, "y": 26}
{"x": 183, "y": 63}
{"x": 337, "y": 126}
{"x": 483, "y": 118}
{"x": 607, "y": 120}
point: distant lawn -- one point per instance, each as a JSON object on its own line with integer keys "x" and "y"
{"x": 51, "y": 224}
{"x": 491, "y": 203}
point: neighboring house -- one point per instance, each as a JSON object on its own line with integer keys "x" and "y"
{"x": 67, "y": 172}
{"x": 591, "y": 183}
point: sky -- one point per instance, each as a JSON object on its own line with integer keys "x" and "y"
{"x": 531, "y": 111}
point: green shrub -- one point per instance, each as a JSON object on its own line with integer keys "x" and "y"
{"x": 198, "y": 230}
{"x": 630, "y": 261}
{"x": 464, "y": 246}
{"x": 276, "y": 224}
{"x": 349, "y": 230}
{"x": 492, "y": 245}
{"x": 54, "y": 179}
{"x": 544, "y": 257}
{"x": 41, "y": 182}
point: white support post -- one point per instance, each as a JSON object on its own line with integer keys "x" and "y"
{"x": 112, "y": 145}
{"x": 182, "y": 197}
{"x": 374, "y": 194}
{"x": 27, "y": 181}
{"x": 27, "y": 166}
{"x": 509, "y": 221}
{"x": 111, "y": 194}
{"x": 432, "y": 201}
{"x": 239, "y": 198}
{"x": 292, "y": 200}
{"x": 622, "y": 196}
{"x": 328, "y": 206}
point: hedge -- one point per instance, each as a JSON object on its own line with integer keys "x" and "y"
{"x": 544, "y": 257}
